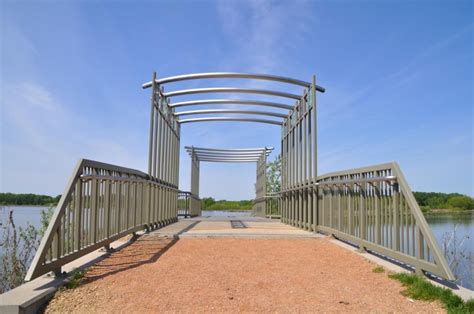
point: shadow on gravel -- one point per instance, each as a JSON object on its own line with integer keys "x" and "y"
{"x": 145, "y": 250}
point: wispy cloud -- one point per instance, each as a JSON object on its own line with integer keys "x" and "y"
{"x": 263, "y": 34}
{"x": 48, "y": 138}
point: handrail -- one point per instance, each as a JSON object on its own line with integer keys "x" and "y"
{"x": 372, "y": 207}
{"x": 101, "y": 203}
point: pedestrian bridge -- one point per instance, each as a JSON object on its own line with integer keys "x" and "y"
{"x": 371, "y": 207}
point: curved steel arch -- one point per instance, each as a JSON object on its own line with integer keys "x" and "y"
{"x": 228, "y": 161}
{"x": 230, "y": 119}
{"x": 230, "y": 102}
{"x": 229, "y": 155}
{"x": 270, "y": 148}
{"x": 208, "y": 111}
{"x": 211, "y": 75}
{"x": 200, "y": 153}
{"x": 231, "y": 90}
{"x": 229, "y": 158}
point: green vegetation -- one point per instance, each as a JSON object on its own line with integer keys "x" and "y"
{"x": 454, "y": 201}
{"x": 18, "y": 246}
{"x": 419, "y": 288}
{"x": 208, "y": 203}
{"x": 274, "y": 175}
{"x": 27, "y": 199}
{"x": 378, "y": 269}
{"x": 76, "y": 278}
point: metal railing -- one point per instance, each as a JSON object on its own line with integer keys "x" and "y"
{"x": 101, "y": 204}
{"x": 184, "y": 204}
{"x": 372, "y": 207}
{"x": 273, "y": 205}
{"x": 189, "y": 205}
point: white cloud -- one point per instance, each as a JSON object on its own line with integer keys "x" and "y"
{"x": 42, "y": 139}
{"x": 264, "y": 33}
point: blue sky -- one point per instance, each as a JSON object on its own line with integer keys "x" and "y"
{"x": 399, "y": 80}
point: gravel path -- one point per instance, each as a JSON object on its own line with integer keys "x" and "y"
{"x": 235, "y": 275}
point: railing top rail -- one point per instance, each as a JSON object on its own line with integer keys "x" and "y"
{"x": 379, "y": 167}
{"x": 214, "y": 75}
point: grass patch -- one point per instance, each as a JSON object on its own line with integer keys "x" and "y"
{"x": 76, "y": 278}
{"x": 419, "y": 288}
{"x": 378, "y": 269}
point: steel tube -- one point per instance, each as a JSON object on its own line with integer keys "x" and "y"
{"x": 209, "y": 111}
{"x": 213, "y": 75}
{"x": 243, "y": 157}
{"x": 230, "y": 119}
{"x": 228, "y": 161}
{"x": 230, "y": 90}
{"x": 228, "y": 155}
{"x": 229, "y": 149}
{"x": 230, "y": 102}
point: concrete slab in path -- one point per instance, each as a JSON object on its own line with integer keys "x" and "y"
{"x": 253, "y": 227}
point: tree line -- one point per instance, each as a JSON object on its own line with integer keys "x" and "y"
{"x": 455, "y": 201}
{"x": 27, "y": 199}
{"x": 426, "y": 200}
{"x": 209, "y": 203}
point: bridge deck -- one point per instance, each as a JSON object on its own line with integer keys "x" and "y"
{"x": 233, "y": 226}
{"x": 234, "y": 274}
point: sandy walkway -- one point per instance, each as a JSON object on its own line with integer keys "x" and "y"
{"x": 235, "y": 275}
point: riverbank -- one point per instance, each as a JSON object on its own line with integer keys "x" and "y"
{"x": 448, "y": 211}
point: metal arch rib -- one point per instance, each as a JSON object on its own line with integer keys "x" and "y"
{"x": 230, "y": 119}
{"x": 230, "y": 102}
{"x": 227, "y": 156}
{"x": 210, "y": 154}
{"x": 208, "y": 111}
{"x": 231, "y": 90}
{"x": 211, "y": 75}
{"x": 230, "y": 149}
{"x": 228, "y": 161}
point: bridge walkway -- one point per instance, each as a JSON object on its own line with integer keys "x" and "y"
{"x": 234, "y": 264}
{"x": 232, "y": 226}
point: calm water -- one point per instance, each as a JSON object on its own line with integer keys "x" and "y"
{"x": 441, "y": 224}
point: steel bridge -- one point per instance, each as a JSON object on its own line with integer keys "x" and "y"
{"x": 371, "y": 207}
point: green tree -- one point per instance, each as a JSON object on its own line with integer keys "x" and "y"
{"x": 274, "y": 175}
{"x": 207, "y": 202}
{"x": 461, "y": 202}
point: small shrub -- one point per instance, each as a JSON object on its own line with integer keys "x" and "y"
{"x": 76, "y": 278}
{"x": 378, "y": 269}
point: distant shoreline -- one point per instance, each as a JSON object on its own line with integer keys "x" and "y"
{"x": 26, "y": 205}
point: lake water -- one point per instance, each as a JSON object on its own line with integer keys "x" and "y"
{"x": 441, "y": 224}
